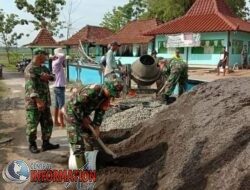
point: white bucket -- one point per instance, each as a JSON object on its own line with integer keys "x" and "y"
{"x": 76, "y": 162}
{"x": 90, "y": 157}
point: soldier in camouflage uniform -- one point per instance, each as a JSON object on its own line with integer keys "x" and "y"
{"x": 81, "y": 104}
{"x": 37, "y": 100}
{"x": 175, "y": 72}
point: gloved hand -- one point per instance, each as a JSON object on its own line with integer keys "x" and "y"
{"x": 45, "y": 77}
{"x": 40, "y": 104}
{"x": 86, "y": 122}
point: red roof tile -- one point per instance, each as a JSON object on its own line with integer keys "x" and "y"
{"x": 45, "y": 39}
{"x": 88, "y": 34}
{"x": 133, "y": 32}
{"x": 204, "y": 16}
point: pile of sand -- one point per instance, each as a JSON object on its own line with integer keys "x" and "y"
{"x": 199, "y": 142}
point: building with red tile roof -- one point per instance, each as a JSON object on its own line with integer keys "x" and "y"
{"x": 204, "y": 16}
{"x": 132, "y": 33}
{"x": 132, "y": 39}
{"x": 88, "y": 34}
{"x": 217, "y": 26}
{"x": 44, "y": 39}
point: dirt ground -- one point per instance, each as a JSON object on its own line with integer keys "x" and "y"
{"x": 12, "y": 125}
{"x": 211, "y": 74}
{"x": 200, "y": 142}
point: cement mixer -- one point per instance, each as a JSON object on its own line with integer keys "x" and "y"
{"x": 144, "y": 73}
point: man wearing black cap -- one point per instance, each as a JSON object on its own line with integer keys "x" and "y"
{"x": 37, "y": 101}
{"x": 111, "y": 64}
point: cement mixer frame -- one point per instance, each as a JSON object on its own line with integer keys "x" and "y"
{"x": 144, "y": 73}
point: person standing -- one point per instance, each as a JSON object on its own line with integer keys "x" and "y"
{"x": 38, "y": 102}
{"x": 111, "y": 64}
{"x": 223, "y": 61}
{"x": 103, "y": 60}
{"x": 175, "y": 72}
{"x": 59, "y": 85}
{"x": 154, "y": 54}
{"x": 244, "y": 57}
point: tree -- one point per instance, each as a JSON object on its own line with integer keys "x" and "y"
{"x": 45, "y": 13}
{"x": 7, "y": 35}
{"x": 72, "y": 6}
{"x": 114, "y": 21}
{"x": 170, "y": 9}
{"x": 121, "y": 15}
{"x": 239, "y": 8}
{"x": 163, "y": 10}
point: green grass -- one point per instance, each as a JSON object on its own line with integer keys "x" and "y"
{"x": 7, "y": 66}
{"x": 4, "y": 62}
{"x": 12, "y": 66}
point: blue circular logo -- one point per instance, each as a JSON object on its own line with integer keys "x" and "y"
{"x": 16, "y": 171}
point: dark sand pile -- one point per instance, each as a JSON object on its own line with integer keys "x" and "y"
{"x": 199, "y": 142}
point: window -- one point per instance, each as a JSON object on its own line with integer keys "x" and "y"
{"x": 162, "y": 47}
{"x": 209, "y": 47}
{"x": 248, "y": 47}
{"x": 92, "y": 51}
{"x": 125, "y": 50}
{"x": 132, "y": 50}
{"x": 237, "y": 46}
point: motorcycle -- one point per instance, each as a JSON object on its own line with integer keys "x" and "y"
{"x": 21, "y": 65}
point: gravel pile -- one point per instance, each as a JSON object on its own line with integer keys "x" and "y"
{"x": 140, "y": 110}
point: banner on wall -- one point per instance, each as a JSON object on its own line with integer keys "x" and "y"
{"x": 183, "y": 40}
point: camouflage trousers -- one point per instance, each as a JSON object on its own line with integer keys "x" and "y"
{"x": 173, "y": 80}
{"x": 80, "y": 137}
{"x": 33, "y": 118}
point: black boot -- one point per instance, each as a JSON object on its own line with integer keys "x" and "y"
{"x": 169, "y": 100}
{"x": 33, "y": 148}
{"x": 48, "y": 146}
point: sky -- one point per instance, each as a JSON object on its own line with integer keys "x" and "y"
{"x": 85, "y": 12}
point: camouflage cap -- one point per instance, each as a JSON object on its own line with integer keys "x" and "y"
{"x": 38, "y": 51}
{"x": 114, "y": 86}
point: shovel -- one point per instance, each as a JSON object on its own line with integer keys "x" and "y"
{"x": 76, "y": 162}
{"x": 105, "y": 148}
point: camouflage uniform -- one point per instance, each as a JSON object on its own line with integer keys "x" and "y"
{"x": 175, "y": 72}
{"x": 35, "y": 87}
{"x": 81, "y": 104}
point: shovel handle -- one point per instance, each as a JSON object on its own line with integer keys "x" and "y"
{"x": 163, "y": 87}
{"x": 105, "y": 148}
